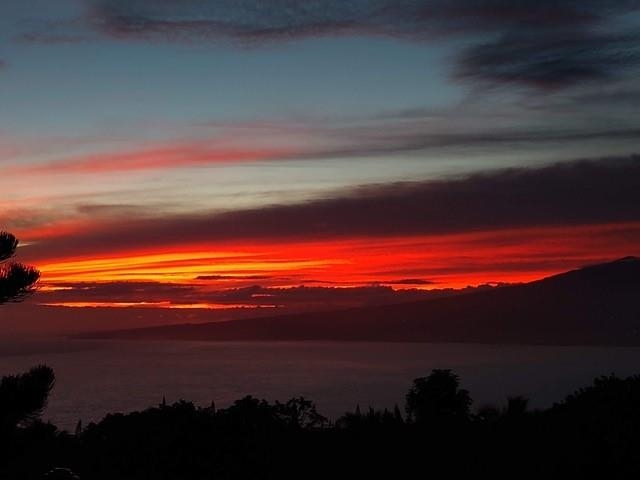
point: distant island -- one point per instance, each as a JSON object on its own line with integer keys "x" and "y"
{"x": 594, "y": 305}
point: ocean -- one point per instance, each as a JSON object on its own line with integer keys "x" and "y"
{"x": 94, "y": 378}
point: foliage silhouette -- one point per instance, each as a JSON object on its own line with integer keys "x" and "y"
{"x": 437, "y": 398}
{"x": 594, "y": 431}
{"x": 17, "y": 281}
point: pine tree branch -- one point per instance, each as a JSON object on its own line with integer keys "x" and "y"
{"x": 8, "y": 245}
{"x": 17, "y": 281}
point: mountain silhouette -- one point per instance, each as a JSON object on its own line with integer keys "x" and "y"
{"x": 594, "y": 305}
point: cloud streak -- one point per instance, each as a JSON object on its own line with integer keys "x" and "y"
{"x": 400, "y": 133}
{"x": 172, "y": 156}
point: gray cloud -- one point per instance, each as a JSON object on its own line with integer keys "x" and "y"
{"x": 544, "y": 44}
{"x": 551, "y": 60}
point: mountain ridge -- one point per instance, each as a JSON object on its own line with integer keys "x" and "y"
{"x": 593, "y": 305}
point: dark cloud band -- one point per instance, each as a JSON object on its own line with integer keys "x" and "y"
{"x": 605, "y": 191}
{"x": 254, "y": 295}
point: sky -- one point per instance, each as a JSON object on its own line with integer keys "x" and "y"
{"x": 237, "y": 153}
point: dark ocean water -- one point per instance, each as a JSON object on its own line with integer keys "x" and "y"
{"x": 97, "y": 377}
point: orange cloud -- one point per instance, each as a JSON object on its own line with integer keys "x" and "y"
{"x": 451, "y": 260}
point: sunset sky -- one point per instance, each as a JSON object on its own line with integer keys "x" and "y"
{"x": 216, "y": 153}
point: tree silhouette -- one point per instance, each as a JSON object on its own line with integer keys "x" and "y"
{"x": 23, "y": 397}
{"x": 16, "y": 280}
{"x": 437, "y": 398}
{"x": 299, "y": 412}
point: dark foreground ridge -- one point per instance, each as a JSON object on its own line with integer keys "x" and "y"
{"x": 593, "y": 433}
{"x": 594, "y": 305}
